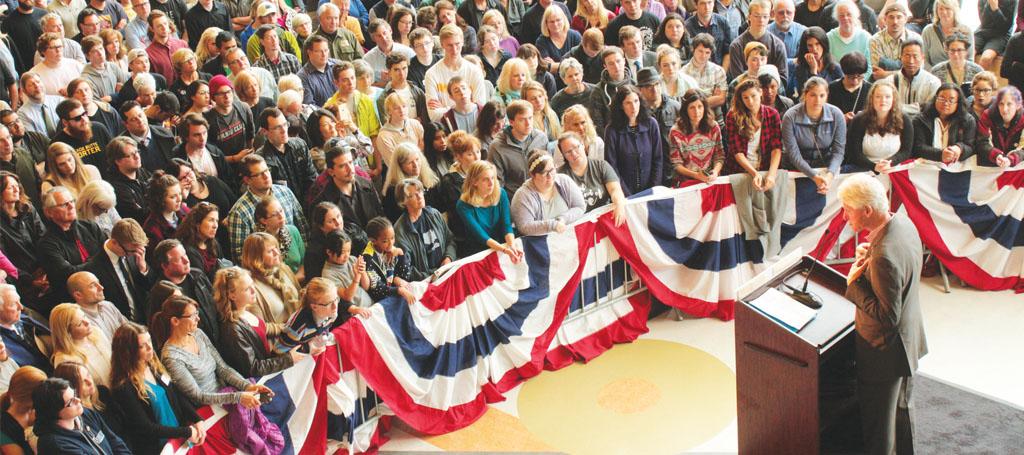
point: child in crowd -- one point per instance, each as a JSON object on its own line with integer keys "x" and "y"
{"x": 348, "y": 273}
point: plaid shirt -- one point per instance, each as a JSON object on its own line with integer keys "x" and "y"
{"x": 709, "y": 78}
{"x": 287, "y": 64}
{"x": 242, "y": 217}
{"x": 883, "y": 46}
{"x": 735, "y": 143}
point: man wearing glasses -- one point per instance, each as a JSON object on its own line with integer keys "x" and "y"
{"x": 287, "y": 158}
{"x": 760, "y": 11}
{"x": 68, "y": 243}
{"x": 256, "y": 177}
{"x": 231, "y": 124}
{"x": 88, "y": 138}
{"x": 55, "y": 70}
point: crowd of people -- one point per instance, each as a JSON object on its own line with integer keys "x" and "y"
{"x": 194, "y": 194}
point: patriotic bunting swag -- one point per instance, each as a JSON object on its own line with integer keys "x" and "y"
{"x": 484, "y": 325}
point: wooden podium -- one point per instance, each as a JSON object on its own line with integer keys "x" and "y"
{"x": 796, "y": 391}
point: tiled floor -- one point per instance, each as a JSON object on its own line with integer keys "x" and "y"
{"x": 975, "y": 339}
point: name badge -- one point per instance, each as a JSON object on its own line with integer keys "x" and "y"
{"x": 99, "y": 437}
{"x": 164, "y": 378}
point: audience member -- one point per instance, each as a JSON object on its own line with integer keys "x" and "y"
{"x": 122, "y": 270}
{"x": 881, "y": 135}
{"x": 245, "y": 337}
{"x": 633, "y": 144}
{"x": 957, "y": 139}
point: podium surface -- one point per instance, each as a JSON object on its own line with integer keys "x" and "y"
{"x": 794, "y": 387}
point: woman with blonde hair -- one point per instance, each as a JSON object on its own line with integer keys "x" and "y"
{"x": 245, "y": 338}
{"x": 674, "y": 82}
{"x": 514, "y": 76}
{"x": 398, "y": 129}
{"x": 75, "y": 340}
{"x": 247, "y": 88}
{"x": 187, "y": 67}
{"x": 277, "y": 290}
{"x": 65, "y": 168}
{"x": 113, "y": 44}
{"x": 485, "y": 211}
{"x": 591, "y": 14}
{"x": 945, "y": 23}
{"x": 544, "y": 118}
{"x": 96, "y": 203}
{"x": 576, "y": 119}
{"x": 207, "y": 46}
{"x": 495, "y": 19}
{"x": 81, "y": 379}
{"x": 407, "y": 162}
{"x": 556, "y": 39}
{"x": 152, "y": 409}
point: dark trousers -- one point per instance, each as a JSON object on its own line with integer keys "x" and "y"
{"x": 886, "y": 416}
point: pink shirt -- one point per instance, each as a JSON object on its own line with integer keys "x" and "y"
{"x": 160, "y": 58}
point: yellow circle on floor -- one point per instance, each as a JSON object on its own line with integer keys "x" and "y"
{"x": 647, "y": 397}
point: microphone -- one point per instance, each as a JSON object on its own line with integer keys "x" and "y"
{"x": 801, "y": 295}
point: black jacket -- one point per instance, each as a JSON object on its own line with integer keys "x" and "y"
{"x": 59, "y": 255}
{"x": 962, "y": 132}
{"x": 225, "y": 171}
{"x": 157, "y": 154}
{"x": 855, "y": 143}
{"x": 101, "y": 266}
{"x": 196, "y": 287}
{"x": 140, "y": 428}
{"x": 293, "y": 168}
{"x": 131, "y": 194}
{"x": 360, "y": 208}
{"x": 244, "y": 351}
{"x": 411, "y": 242}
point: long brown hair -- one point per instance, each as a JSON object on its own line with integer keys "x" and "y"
{"x": 160, "y": 324}
{"x": 72, "y": 372}
{"x": 747, "y": 122}
{"x": 188, "y": 230}
{"x": 893, "y": 124}
{"x": 706, "y": 123}
{"x": 124, "y": 364}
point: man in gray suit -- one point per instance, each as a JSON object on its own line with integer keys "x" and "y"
{"x": 890, "y": 333}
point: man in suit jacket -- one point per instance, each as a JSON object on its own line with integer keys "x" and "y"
{"x": 890, "y": 331}
{"x": 637, "y": 57}
{"x": 122, "y": 269}
{"x": 155, "y": 143}
{"x": 19, "y": 331}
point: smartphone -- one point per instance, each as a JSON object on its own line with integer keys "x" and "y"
{"x": 264, "y": 398}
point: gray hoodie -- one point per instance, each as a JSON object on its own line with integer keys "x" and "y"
{"x": 509, "y": 156}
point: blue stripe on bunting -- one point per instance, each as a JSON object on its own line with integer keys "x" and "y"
{"x": 599, "y": 285}
{"x": 809, "y": 206}
{"x": 280, "y": 409}
{"x": 984, "y": 223}
{"x": 711, "y": 256}
{"x": 448, "y": 359}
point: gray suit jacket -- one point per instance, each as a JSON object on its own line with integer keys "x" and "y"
{"x": 890, "y": 330}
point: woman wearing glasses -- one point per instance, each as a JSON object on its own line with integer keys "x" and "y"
{"x": 945, "y": 131}
{"x": 63, "y": 425}
{"x": 245, "y": 338}
{"x": 983, "y": 90}
{"x": 957, "y": 70}
{"x": 310, "y": 327}
{"x": 814, "y": 135}
{"x": 547, "y": 202}
{"x": 595, "y": 177}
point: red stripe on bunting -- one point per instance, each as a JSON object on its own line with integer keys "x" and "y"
{"x": 716, "y": 197}
{"x": 932, "y": 238}
{"x": 624, "y": 330}
{"x": 585, "y": 233}
{"x": 468, "y": 279}
{"x": 360, "y": 351}
{"x": 623, "y": 241}
{"x": 1014, "y": 179}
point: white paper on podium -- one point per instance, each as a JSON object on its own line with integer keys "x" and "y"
{"x": 784, "y": 309}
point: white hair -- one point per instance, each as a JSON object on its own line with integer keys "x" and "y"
{"x": 287, "y": 98}
{"x": 860, "y": 190}
{"x": 144, "y": 80}
{"x": 48, "y": 197}
{"x": 850, "y": 5}
{"x": 327, "y": 7}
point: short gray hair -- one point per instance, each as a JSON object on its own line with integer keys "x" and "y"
{"x": 848, "y": 4}
{"x": 567, "y": 64}
{"x": 49, "y": 195}
{"x": 860, "y": 190}
{"x": 327, "y": 7}
{"x": 400, "y": 189}
{"x": 144, "y": 80}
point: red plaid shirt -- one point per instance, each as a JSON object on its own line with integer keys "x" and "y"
{"x": 735, "y": 143}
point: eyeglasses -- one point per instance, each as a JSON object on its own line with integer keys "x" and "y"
{"x": 66, "y": 205}
{"x": 957, "y": 51}
{"x": 945, "y": 100}
{"x": 257, "y": 174}
{"x": 193, "y": 316}
{"x": 74, "y": 400}
{"x": 223, "y": 92}
{"x": 982, "y": 90}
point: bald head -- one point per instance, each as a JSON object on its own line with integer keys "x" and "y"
{"x": 85, "y": 288}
